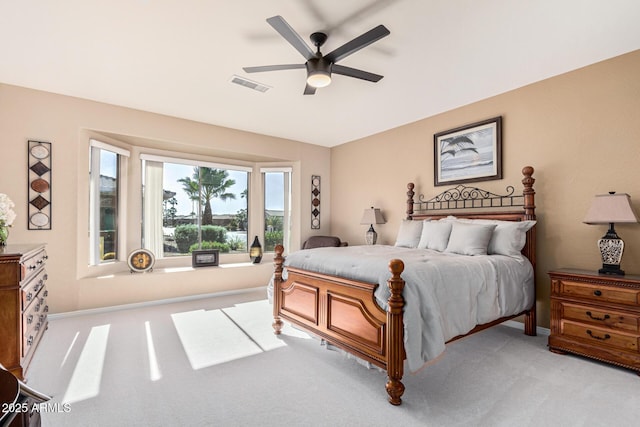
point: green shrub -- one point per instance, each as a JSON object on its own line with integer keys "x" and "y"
{"x": 237, "y": 243}
{"x": 186, "y": 235}
{"x": 271, "y": 239}
{"x": 222, "y": 247}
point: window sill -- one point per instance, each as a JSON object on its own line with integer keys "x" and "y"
{"x": 123, "y": 269}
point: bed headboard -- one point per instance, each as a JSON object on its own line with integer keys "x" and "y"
{"x": 475, "y": 203}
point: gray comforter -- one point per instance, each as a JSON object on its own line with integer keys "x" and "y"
{"x": 446, "y": 295}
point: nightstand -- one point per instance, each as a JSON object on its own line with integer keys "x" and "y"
{"x": 596, "y": 316}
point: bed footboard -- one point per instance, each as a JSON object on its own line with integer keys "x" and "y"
{"x": 345, "y": 313}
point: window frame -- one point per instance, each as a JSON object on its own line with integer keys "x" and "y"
{"x": 226, "y": 164}
{"x": 131, "y": 209}
{"x": 95, "y": 149}
{"x": 286, "y": 220}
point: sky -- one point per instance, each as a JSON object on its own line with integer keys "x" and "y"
{"x": 274, "y": 185}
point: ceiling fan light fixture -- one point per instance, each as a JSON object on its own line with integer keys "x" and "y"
{"x": 318, "y": 72}
{"x": 319, "y": 79}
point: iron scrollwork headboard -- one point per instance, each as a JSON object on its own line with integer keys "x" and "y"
{"x": 464, "y": 197}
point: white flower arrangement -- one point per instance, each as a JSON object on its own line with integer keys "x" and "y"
{"x": 7, "y": 215}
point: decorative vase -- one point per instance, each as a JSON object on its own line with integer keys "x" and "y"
{"x": 255, "y": 252}
{"x": 4, "y": 235}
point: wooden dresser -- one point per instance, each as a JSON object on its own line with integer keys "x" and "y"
{"x": 596, "y": 316}
{"x": 23, "y": 304}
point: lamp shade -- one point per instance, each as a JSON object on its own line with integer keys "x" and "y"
{"x": 372, "y": 216}
{"x": 610, "y": 208}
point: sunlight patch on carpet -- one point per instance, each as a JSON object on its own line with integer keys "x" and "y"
{"x": 210, "y": 338}
{"x": 87, "y": 375}
{"x": 255, "y": 319}
{"x": 154, "y": 368}
{"x": 66, "y": 355}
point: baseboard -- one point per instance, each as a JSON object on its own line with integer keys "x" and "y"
{"x": 519, "y": 325}
{"x": 152, "y": 303}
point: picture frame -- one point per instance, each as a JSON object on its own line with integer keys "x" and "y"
{"x": 468, "y": 153}
{"x": 205, "y": 258}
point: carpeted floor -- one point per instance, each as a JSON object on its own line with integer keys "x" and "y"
{"x": 216, "y": 362}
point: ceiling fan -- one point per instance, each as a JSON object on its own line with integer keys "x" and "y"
{"x": 320, "y": 67}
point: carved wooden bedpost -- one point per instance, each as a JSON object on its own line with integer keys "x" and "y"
{"x": 395, "y": 333}
{"x": 530, "y": 214}
{"x": 529, "y": 193}
{"x": 410, "y": 194}
{"x": 278, "y": 260}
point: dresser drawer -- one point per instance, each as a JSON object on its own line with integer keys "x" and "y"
{"x": 32, "y": 288}
{"x": 37, "y": 312}
{"x": 602, "y": 293}
{"x": 31, "y": 264}
{"x": 601, "y": 316}
{"x": 600, "y": 336}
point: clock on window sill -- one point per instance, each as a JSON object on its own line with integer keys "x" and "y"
{"x": 141, "y": 260}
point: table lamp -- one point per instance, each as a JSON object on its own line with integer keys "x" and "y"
{"x": 609, "y": 209}
{"x": 372, "y": 216}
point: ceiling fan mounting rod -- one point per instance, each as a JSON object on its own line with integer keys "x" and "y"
{"x": 318, "y": 39}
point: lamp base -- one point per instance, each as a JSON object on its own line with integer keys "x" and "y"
{"x": 611, "y": 269}
{"x": 371, "y": 236}
{"x": 611, "y": 248}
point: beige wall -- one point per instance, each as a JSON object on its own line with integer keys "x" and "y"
{"x": 67, "y": 123}
{"x": 580, "y": 131}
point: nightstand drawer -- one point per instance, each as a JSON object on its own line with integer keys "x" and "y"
{"x": 600, "y": 336}
{"x": 601, "y": 293}
{"x": 601, "y": 316}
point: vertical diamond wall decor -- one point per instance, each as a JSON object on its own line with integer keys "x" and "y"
{"x": 315, "y": 202}
{"x": 39, "y": 185}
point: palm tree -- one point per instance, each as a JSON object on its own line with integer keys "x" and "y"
{"x": 207, "y": 184}
{"x": 192, "y": 189}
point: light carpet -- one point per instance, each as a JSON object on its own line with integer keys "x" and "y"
{"x": 216, "y": 362}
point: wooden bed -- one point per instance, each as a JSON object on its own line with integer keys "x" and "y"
{"x": 344, "y": 312}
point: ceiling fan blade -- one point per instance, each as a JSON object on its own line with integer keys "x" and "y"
{"x": 281, "y": 26}
{"x": 354, "y": 72}
{"x": 309, "y": 90}
{"x": 358, "y": 43}
{"x": 262, "y": 68}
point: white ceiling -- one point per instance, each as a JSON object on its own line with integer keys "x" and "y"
{"x": 177, "y": 57}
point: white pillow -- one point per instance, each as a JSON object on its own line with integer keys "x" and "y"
{"x": 409, "y": 233}
{"x": 509, "y": 237}
{"x": 469, "y": 239}
{"x": 435, "y": 235}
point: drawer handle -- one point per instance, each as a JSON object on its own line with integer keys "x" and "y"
{"x": 32, "y": 267}
{"x": 606, "y": 316}
{"x": 29, "y": 296}
{"x": 606, "y": 336}
{"x": 29, "y": 319}
{"x": 597, "y": 293}
{"x": 30, "y": 340}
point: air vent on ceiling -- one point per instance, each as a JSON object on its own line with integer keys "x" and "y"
{"x": 249, "y": 83}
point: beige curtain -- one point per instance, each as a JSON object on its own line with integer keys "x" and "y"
{"x": 153, "y": 197}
